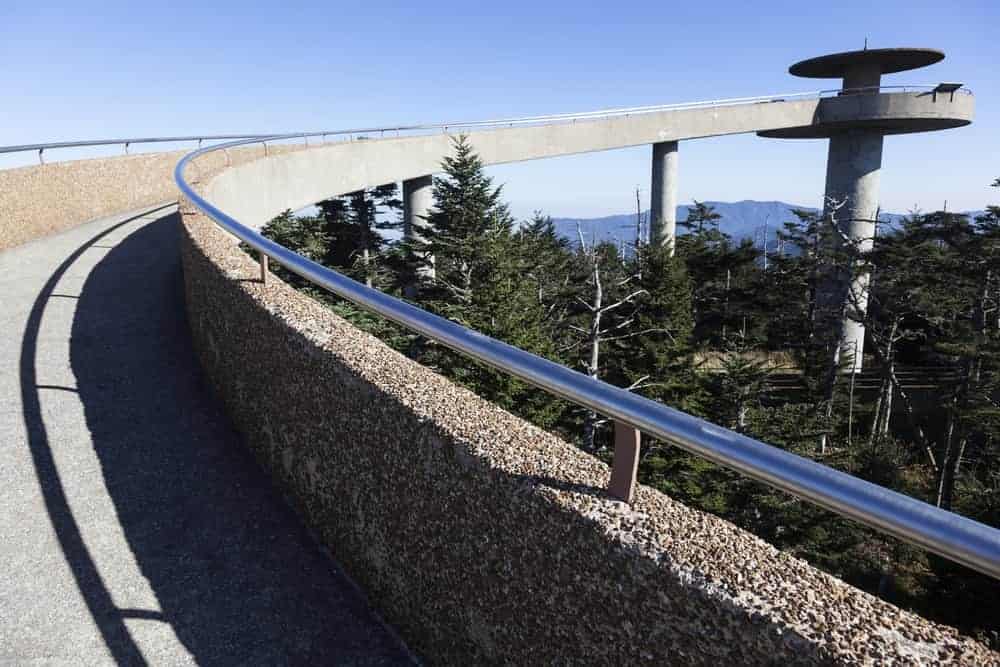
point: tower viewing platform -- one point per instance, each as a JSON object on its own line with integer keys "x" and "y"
{"x": 855, "y": 121}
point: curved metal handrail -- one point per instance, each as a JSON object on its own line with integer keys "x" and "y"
{"x": 955, "y": 537}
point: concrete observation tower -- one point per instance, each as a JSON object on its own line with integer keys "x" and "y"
{"x": 855, "y": 121}
{"x": 854, "y": 118}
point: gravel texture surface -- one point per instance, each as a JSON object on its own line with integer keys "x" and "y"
{"x": 485, "y": 539}
{"x": 43, "y": 199}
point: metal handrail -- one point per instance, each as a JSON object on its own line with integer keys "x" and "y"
{"x": 694, "y": 105}
{"x": 115, "y": 142}
{"x": 41, "y": 148}
{"x": 955, "y": 537}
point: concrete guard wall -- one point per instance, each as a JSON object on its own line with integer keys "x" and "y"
{"x": 483, "y": 539}
{"x": 43, "y": 199}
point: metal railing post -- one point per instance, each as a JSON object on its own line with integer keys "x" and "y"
{"x": 263, "y": 268}
{"x": 625, "y": 465}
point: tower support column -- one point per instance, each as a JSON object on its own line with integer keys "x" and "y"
{"x": 418, "y": 199}
{"x": 663, "y": 195}
{"x": 852, "y": 200}
{"x": 854, "y": 121}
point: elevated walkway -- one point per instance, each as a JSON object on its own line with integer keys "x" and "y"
{"x": 135, "y": 529}
{"x": 134, "y": 526}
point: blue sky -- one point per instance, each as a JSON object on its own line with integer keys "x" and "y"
{"x": 85, "y": 69}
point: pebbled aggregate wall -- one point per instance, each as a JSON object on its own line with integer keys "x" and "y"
{"x": 483, "y": 539}
{"x": 43, "y": 199}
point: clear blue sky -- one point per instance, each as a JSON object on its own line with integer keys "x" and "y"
{"x": 93, "y": 69}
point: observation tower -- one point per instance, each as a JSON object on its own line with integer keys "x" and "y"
{"x": 855, "y": 121}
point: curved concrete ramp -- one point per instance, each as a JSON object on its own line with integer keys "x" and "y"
{"x": 134, "y": 528}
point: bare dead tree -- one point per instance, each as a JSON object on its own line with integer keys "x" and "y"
{"x": 597, "y": 332}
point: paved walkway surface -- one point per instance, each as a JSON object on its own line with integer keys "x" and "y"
{"x": 134, "y": 526}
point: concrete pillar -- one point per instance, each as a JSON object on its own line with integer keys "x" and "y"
{"x": 862, "y": 75}
{"x": 663, "y": 195}
{"x": 852, "y": 198}
{"x": 418, "y": 199}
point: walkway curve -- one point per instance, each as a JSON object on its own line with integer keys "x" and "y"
{"x": 134, "y": 528}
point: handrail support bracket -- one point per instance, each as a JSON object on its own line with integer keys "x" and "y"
{"x": 625, "y": 465}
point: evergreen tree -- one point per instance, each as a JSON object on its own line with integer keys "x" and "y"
{"x": 353, "y": 224}
{"x": 549, "y": 256}
{"x": 701, "y": 219}
{"x": 468, "y": 216}
{"x": 790, "y": 288}
{"x": 342, "y": 236}
{"x": 482, "y": 281}
{"x": 724, "y": 276}
{"x": 657, "y": 358}
{"x": 306, "y": 236}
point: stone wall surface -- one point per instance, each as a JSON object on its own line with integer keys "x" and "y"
{"x": 43, "y": 199}
{"x": 483, "y": 539}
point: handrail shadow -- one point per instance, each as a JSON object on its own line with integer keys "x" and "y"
{"x": 92, "y": 588}
{"x": 237, "y": 576}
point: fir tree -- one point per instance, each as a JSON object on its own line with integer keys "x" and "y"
{"x": 482, "y": 282}
{"x": 658, "y": 356}
{"x": 701, "y": 219}
{"x": 467, "y": 217}
{"x": 306, "y": 236}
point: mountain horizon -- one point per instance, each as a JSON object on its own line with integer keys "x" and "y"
{"x": 743, "y": 219}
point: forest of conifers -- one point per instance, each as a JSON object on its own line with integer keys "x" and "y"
{"x": 724, "y": 332}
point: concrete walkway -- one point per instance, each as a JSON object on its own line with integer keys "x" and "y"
{"x": 134, "y": 527}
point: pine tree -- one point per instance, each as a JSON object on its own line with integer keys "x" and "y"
{"x": 550, "y": 256}
{"x": 352, "y": 224}
{"x": 789, "y": 295}
{"x": 306, "y": 236}
{"x": 482, "y": 282}
{"x": 342, "y": 235}
{"x": 725, "y": 276}
{"x": 468, "y": 215}
{"x": 701, "y": 219}
{"x": 658, "y": 356}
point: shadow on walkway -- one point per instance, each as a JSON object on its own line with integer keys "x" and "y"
{"x": 236, "y": 575}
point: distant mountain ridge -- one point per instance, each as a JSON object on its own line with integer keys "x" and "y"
{"x": 741, "y": 220}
